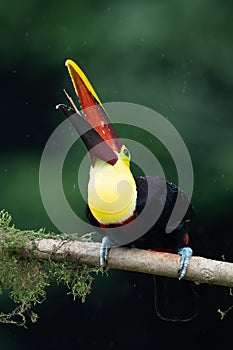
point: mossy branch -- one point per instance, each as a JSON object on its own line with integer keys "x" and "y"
{"x": 200, "y": 270}
{"x": 26, "y": 279}
{"x": 29, "y": 260}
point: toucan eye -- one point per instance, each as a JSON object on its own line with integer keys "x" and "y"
{"x": 126, "y": 152}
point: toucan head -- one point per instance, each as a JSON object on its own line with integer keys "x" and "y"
{"x": 112, "y": 190}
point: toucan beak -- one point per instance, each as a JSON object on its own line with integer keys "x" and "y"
{"x": 95, "y": 145}
{"x": 94, "y": 126}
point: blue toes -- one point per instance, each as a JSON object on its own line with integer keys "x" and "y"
{"x": 185, "y": 253}
{"x": 104, "y": 251}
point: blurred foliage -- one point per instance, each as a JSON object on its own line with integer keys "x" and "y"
{"x": 174, "y": 57}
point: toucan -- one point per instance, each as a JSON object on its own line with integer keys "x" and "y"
{"x": 120, "y": 204}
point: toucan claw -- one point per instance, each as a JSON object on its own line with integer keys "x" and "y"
{"x": 185, "y": 255}
{"x": 104, "y": 251}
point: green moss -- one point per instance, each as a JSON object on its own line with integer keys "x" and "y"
{"x": 26, "y": 279}
{"x": 76, "y": 278}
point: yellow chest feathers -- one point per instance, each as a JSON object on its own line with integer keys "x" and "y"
{"x": 112, "y": 192}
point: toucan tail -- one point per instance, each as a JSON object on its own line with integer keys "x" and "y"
{"x": 174, "y": 300}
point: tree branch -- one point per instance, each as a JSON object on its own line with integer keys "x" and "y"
{"x": 200, "y": 270}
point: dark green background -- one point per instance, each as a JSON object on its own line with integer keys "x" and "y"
{"x": 172, "y": 56}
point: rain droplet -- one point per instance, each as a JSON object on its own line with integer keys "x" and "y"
{"x": 184, "y": 87}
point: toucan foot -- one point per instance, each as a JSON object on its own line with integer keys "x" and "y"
{"x": 185, "y": 255}
{"x": 104, "y": 251}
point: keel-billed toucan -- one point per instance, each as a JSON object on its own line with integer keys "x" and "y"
{"x": 117, "y": 198}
